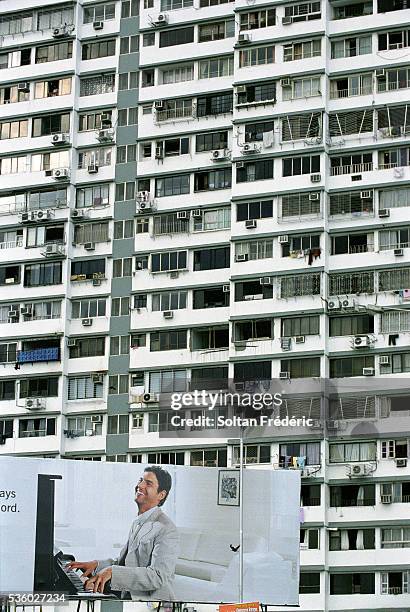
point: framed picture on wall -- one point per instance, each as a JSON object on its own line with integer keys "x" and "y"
{"x": 228, "y": 488}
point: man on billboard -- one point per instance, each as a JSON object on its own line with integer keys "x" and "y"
{"x": 146, "y": 565}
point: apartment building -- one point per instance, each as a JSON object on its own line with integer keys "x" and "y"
{"x": 197, "y": 191}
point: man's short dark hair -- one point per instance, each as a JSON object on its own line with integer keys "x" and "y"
{"x": 164, "y": 480}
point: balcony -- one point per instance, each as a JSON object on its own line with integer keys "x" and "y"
{"x": 352, "y": 169}
{"x": 36, "y": 355}
{"x": 350, "y": 93}
{"x": 173, "y": 114}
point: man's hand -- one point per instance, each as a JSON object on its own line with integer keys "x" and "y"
{"x": 88, "y": 567}
{"x": 98, "y": 582}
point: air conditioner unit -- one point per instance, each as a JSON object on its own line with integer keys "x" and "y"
{"x": 197, "y": 213}
{"x": 265, "y": 280}
{"x": 143, "y": 197}
{"x": 380, "y": 73}
{"x": 161, "y": 19}
{"x": 299, "y": 339}
{"x": 361, "y": 342}
{"x": 105, "y": 136}
{"x": 87, "y": 322}
{"x": 89, "y": 246}
{"x": 34, "y": 403}
{"x": 182, "y": 214}
{"x": 240, "y": 165}
{"x": 96, "y": 418}
{"x": 287, "y": 20}
{"x": 92, "y": 169}
{"x": 96, "y": 282}
{"x": 332, "y": 424}
{"x": 226, "y": 288}
{"x": 334, "y": 304}
{"x": 398, "y": 252}
{"x": 401, "y": 462}
{"x": 159, "y": 105}
{"x": 315, "y": 178}
{"x": 24, "y": 217}
{"x": 23, "y": 86}
{"x": 26, "y": 311}
{"x": 384, "y": 360}
{"x": 384, "y": 212}
{"x": 241, "y": 89}
{"x": 284, "y": 239}
{"x": 60, "y": 173}
{"x": 13, "y": 314}
{"x": 347, "y": 303}
{"x": 250, "y": 224}
{"x": 243, "y": 38}
{"x": 97, "y": 377}
{"x": 106, "y": 120}
{"x": 144, "y": 207}
{"x": 368, "y": 371}
{"x": 242, "y": 257}
{"x": 314, "y": 197}
{"x": 284, "y": 375}
{"x": 366, "y": 195}
{"x": 168, "y": 314}
{"x": 149, "y": 398}
{"x": 159, "y": 153}
{"x": 249, "y": 147}
{"x": 71, "y": 342}
{"x": 78, "y": 213}
{"x": 219, "y": 155}
{"x": 386, "y": 499}
{"x": 174, "y": 274}
{"x": 60, "y": 32}
{"x": 58, "y": 139}
{"x": 286, "y": 82}
{"x": 98, "y": 25}
{"x": 359, "y": 469}
{"x": 53, "y": 249}
{"x": 285, "y": 343}
{"x": 41, "y": 215}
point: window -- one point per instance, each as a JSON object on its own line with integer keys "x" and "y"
{"x": 13, "y": 165}
{"x": 36, "y": 428}
{"x": 210, "y": 220}
{"x": 302, "y": 245}
{"x": 91, "y": 232}
{"x": 352, "y": 584}
{"x": 126, "y": 154}
{"x": 212, "y": 259}
{"x": 309, "y": 582}
{"x": 308, "y": 451}
{"x": 148, "y": 39}
{"x": 140, "y": 300}
{"x": 50, "y": 89}
{"x": 253, "y": 249}
{"x": 95, "y": 120}
{"x": 99, "y": 12}
{"x": 218, "y": 67}
{"x": 352, "y": 451}
{"x": 352, "y": 495}
{"x": 209, "y": 378}
{"x": 168, "y": 340}
{"x": 253, "y": 371}
{"x": 357, "y": 9}
{"x": 123, "y": 229}
{"x": 147, "y": 78}
{"x": 209, "y": 338}
{"x": 7, "y": 390}
{"x": 254, "y": 20}
{"x": 254, "y": 210}
{"x": 128, "y": 80}
{"x": 173, "y": 146}
{"x": 350, "y": 203}
{"x": 356, "y": 282}
{"x": 258, "y": 329}
{"x": 88, "y": 308}
{"x": 303, "y": 11}
{"x": 301, "y": 127}
{"x": 255, "y": 171}
{"x": 176, "y": 36}
{"x": 176, "y": 74}
{"x": 137, "y": 420}
{"x": 118, "y": 424}
{"x": 301, "y": 284}
{"x": 95, "y": 157}
{"x": 213, "y": 179}
{"x": 399, "y": 362}
{"x": 8, "y": 353}
{"x": 122, "y": 267}
{"x": 309, "y": 539}
{"x": 354, "y": 122}
{"x": 13, "y": 129}
{"x": 94, "y": 86}
{"x": 88, "y": 347}
{"x": 169, "y": 300}
{"x": 118, "y": 384}
{"x": 87, "y": 269}
{"x": 100, "y": 48}
{"x": 301, "y": 368}
{"x": 83, "y": 387}
{"x": 17, "y": 23}
{"x": 394, "y": 198}
{"x": 166, "y": 381}
{"x": 36, "y": 275}
{"x": 300, "y": 326}
{"x": 355, "y": 85}
{"x": 395, "y": 321}
{"x": 217, "y": 30}
{"x": 209, "y": 141}
{"x": 351, "y": 164}
{"x": 397, "y": 39}
{"x": 6, "y": 427}
{"x": 141, "y": 226}
{"x": 212, "y": 297}
{"x": 9, "y": 275}
{"x": 396, "y": 537}
{"x": 172, "y": 185}
{"x": 302, "y": 88}
{"x": 94, "y": 195}
{"x": 52, "y": 18}
{"x": 307, "y": 164}
{"x": 393, "y": 158}
{"x": 129, "y": 44}
{"x": 172, "y": 458}
{"x": 90, "y": 425}
{"x": 39, "y": 387}
{"x": 138, "y": 340}
{"x": 120, "y": 307}
{"x": 11, "y": 94}
{"x": 252, "y": 453}
{"x": 266, "y": 92}
{"x": 252, "y": 290}
{"x": 346, "y": 367}
{"x": 302, "y": 50}
{"x": 129, "y": 8}
{"x": 171, "y": 5}
{"x": 141, "y": 262}
{"x": 119, "y": 345}
{"x": 350, "y": 47}
{"x": 166, "y": 262}
{"x": 14, "y": 59}
{"x": 209, "y": 457}
{"x": 257, "y": 56}
{"x": 54, "y": 52}
{"x": 351, "y": 325}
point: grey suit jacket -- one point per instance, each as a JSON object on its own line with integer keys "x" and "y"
{"x": 146, "y": 565}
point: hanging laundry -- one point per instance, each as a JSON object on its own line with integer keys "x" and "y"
{"x": 267, "y": 140}
{"x": 301, "y": 461}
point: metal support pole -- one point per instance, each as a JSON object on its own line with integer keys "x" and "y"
{"x": 241, "y": 517}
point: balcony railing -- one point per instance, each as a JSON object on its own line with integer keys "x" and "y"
{"x": 36, "y": 355}
{"x": 35, "y": 433}
{"x": 12, "y": 244}
{"x": 352, "y": 169}
{"x": 349, "y": 93}
{"x": 187, "y": 112}
{"x": 396, "y": 590}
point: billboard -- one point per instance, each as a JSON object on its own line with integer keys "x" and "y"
{"x": 149, "y": 535}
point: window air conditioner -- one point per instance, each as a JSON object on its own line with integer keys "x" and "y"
{"x": 97, "y": 377}
{"x": 384, "y": 212}
{"x": 398, "y": 252}
{"x": 219, "y": 155}
{"x": 182, "y": 214}
{"x": 287, "y": 20}
{"x": 347, "y": 303}
{"x": 250, "y": 224}
{"x": 299, "y": 339}
{"x": 243, "y": 38}
{"x": 197, "y": 213}
{"x": 105, "y": 136}
{"x": 401, "y": 462}
{"x": 315, "y": 178}
{"x": 60, "y": 32}
{"x": 314, "y": 197}
{"x": 13, "y": 314}
{"x": 98, "y": 25}
{"x": 284, "y": 239}
{"x": 384, "y": 360}
{"x": 284, "y": 375}
{"x": 168, "y": 314}
{"x": 87, "y": 322}
{"x": 265, "y": 280}
{"x": 242, "y": 257}
{"x": 381, "y": 73}
{"x": 92, "y": 169}
{"x": 368, "y": 371}
{"x": 159, "y": 153}
{"x": 366, "y": 195}
{"x": 241, "y": 89}
{"x": 89, "y": 246}
{"x": 71, "y": 342}
{"x": 226, "y": 288}
{"x": 34, "y": 403}
{"x": 26, "y": 311}
{"x": 96, "y": 418}
{"x": 159, "y": 105}
{"x": 24, "y": 217}
{"x": 286, "y": 82}
{"x": 23, "y": 86}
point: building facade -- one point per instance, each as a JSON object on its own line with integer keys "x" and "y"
{"x": 193, "y": 191}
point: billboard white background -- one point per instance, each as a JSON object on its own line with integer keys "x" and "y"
{"x": 95, "y": 508}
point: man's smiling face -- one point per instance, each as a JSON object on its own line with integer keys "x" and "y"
{"x": 147, "y": 495}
